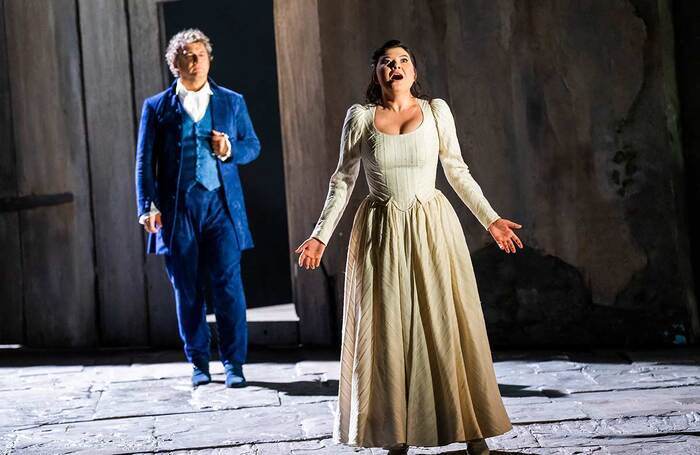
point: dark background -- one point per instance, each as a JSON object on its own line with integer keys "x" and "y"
{"x": 686, "y": 15}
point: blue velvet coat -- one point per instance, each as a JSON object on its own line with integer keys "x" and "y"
{"x": 158, "y": 160}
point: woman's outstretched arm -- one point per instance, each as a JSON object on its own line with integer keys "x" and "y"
{"x": 340, "y": 188}
{"x": 461, "y": 180}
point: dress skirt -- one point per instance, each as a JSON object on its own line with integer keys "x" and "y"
{"x": 415, "y": 365}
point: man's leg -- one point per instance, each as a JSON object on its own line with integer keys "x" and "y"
{"x": 230, "y": 309}
{"x": 182, "y": 267}
{"x": 189, "y": 304}
{"x": 224, "y": 259}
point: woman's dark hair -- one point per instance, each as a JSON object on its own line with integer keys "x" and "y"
{"x": 373, "y": 95}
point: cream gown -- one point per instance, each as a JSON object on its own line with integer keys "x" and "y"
{"x": 415, "y": 361}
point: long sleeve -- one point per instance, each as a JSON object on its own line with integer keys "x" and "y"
{"x": 245, "y": 146}
{"x": 343, "y": 179}
{"x": 145, "y": 165}
{"x": 456, "y": 169}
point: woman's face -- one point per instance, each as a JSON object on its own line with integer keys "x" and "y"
{"x": 395, "y": 71}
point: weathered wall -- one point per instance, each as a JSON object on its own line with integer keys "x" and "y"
{"x": 11, "y": 314}
{"x": 73, "y": 267}
{"x": 109, "y": 117}
{"x": 51, "y": 203}
{"x": 566, "y": 113}
{"x": 148, "y": 70}
{"x": 306, "y": 161}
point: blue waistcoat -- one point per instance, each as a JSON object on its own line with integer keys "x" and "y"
{"x": 198, "y": 160}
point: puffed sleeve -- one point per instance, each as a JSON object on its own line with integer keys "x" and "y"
{"x": 456, "y": 169}
{"x": 343, "y": 179}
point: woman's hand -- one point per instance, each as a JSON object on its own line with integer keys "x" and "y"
{"x": 311, "y": 252}
{"x": 502, "y": 232}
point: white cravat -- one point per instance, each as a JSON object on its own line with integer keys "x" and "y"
{"x": 195, "y": 105}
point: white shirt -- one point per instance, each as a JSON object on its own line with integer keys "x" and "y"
{"x": 195, "y": 105}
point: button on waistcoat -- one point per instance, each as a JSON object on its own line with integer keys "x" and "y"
{"x": 198, "y": 160}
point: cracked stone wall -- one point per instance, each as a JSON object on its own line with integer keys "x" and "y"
{"x": 567, "y": 115}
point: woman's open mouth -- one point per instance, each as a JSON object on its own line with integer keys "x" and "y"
{"x": 396, "y": 77}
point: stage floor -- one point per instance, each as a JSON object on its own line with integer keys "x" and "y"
{"x": 560, "y": 402}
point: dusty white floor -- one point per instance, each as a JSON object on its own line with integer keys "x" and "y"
{"x": 603, "y": 402}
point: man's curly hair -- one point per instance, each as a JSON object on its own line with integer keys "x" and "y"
{"x": 179, "y": 41}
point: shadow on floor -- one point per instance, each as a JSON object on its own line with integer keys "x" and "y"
{"x": 298, "y": 388}
{"x": 330, "y": 388}
{"x": 463, "y": 452}
{"x": 520, "y": 391}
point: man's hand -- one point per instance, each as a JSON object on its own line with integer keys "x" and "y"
{"x": 152, "y": 224}
{"x": 218, "y": 143}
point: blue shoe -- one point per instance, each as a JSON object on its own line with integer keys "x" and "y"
{"x": 200, "y": 374}
{"x": 234, "y": 375}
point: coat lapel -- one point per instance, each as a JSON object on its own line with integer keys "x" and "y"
{"x": 217, "y": 108}
{"x": 175, "y": 104}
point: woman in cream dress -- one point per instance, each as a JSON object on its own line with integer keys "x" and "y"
{"x": 416, "y": 366}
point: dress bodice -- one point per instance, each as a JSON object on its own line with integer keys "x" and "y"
{"x": 400, "y": 169}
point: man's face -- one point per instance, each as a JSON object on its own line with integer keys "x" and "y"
{"x": 193, "y": 62}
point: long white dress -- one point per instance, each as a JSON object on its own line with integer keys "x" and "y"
{"x": 415, "y": 363}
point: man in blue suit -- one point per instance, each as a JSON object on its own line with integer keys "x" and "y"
{"x": 192, "y": 137}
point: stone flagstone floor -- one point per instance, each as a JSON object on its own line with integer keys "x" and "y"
{"x": 602, "y": 402}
